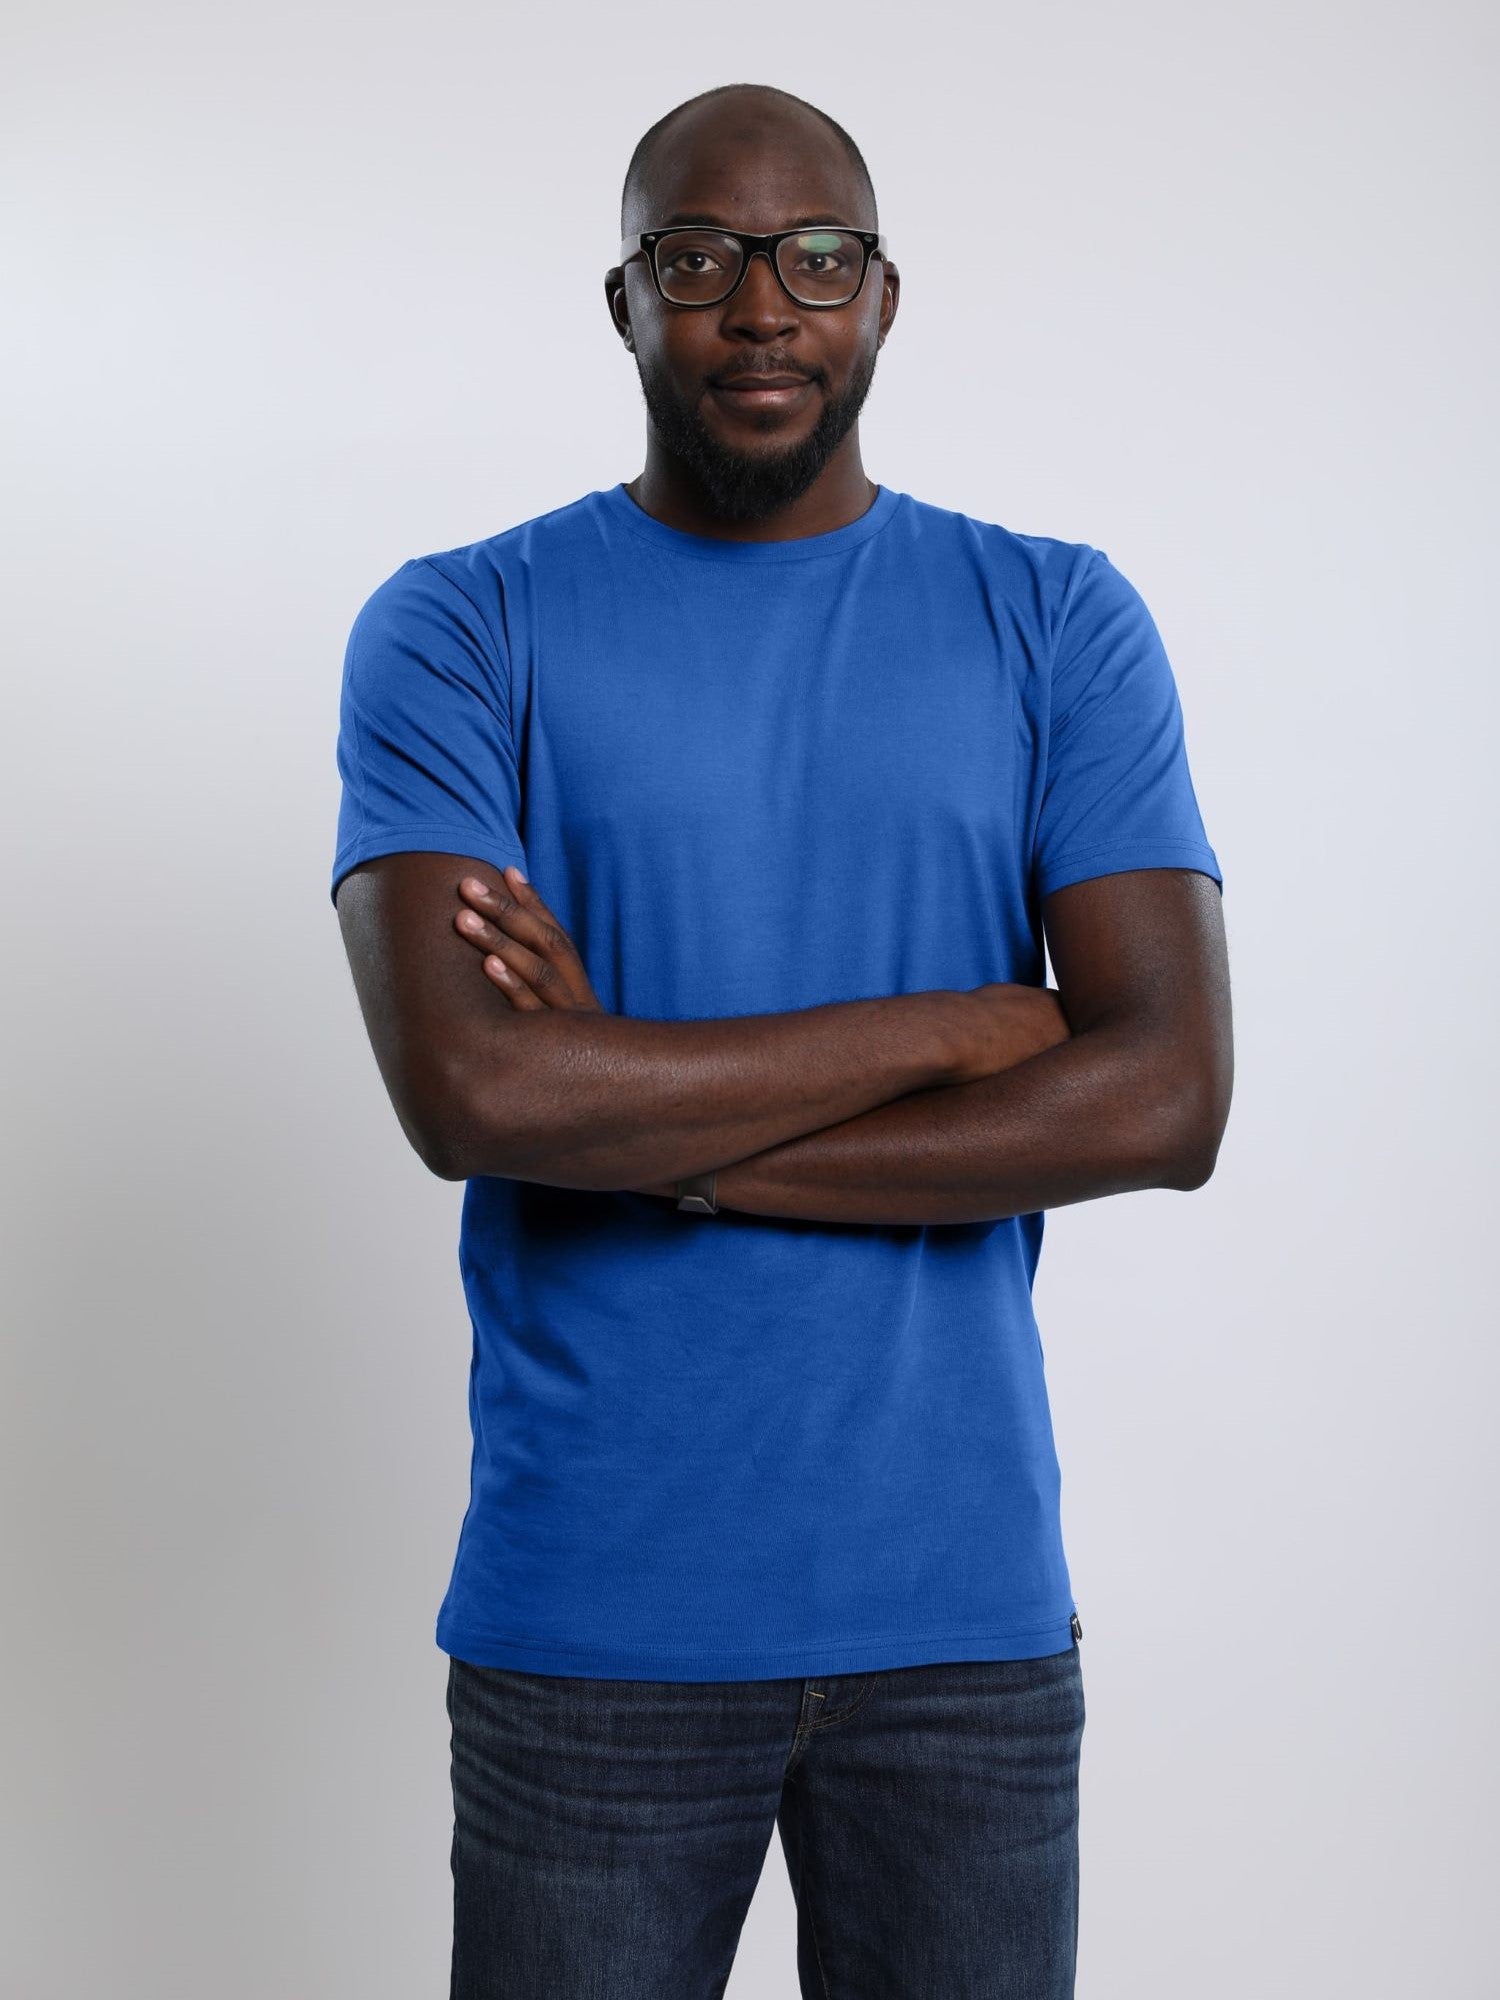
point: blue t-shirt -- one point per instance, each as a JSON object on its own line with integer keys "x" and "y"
{"x": 749, "y": 777}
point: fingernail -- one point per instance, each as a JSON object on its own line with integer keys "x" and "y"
{"x": 475, "y": 887}
{"x": 517, "y": 873}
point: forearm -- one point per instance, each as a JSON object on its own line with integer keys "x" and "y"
{"x": 597, "y": 1100}
{"x": 1105, "y": 1112}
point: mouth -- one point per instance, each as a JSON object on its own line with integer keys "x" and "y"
{"x": 762, "y": 392}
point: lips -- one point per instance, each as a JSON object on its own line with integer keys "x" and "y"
{"x": 762, "y": 392}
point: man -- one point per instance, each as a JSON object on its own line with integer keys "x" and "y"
{"x": 764, "y": 1519}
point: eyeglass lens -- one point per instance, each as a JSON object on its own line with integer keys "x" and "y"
{"x": 820, "y": 267}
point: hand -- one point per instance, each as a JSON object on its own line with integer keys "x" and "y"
{"x": 527, "y": 953}
{"x": 530, "y": 957}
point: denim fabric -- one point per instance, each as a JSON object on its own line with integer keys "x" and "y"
{"x": 609, "y": 1834}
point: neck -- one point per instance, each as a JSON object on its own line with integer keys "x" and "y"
{"x": 668, "y": 490}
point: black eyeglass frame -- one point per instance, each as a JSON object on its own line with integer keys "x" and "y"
{"x": 644, "y": 242}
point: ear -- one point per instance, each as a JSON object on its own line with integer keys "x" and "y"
{"x": 615, "y": 299}
{"x": 890, "y": 296}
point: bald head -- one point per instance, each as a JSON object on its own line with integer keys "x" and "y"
{"x": 732, "y": 121}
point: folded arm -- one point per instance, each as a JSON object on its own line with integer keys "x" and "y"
{"x": 1136, "y": 1098}
{"x": 587, "y": 1099}
{"x": 924, "y": 1107}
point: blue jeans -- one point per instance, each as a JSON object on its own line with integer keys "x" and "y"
{"x": 609, "y": 1835}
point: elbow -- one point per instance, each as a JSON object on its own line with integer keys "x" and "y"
{"x": 1188, "y": 1130}
{"x": 446, "y": 1164}
{"x": 467, "y": 1131}
{"x": 1191, "y": 1166}
{"x": 459, "y": 1154}
{"x": 458, "y": 1146}
{"x": 436, "y": 1143}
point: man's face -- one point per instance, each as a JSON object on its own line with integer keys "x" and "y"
{"x": 751, "y": 455}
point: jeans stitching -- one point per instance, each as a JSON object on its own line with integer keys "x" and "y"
{"x": 832, "y": 1721}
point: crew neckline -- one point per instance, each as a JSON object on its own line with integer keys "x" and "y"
{"x": 619, "y": 506}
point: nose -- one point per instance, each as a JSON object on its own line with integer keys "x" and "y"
{"x": 760, "y": 304}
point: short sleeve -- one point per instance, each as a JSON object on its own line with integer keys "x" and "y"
{"x": 1117, "y": 793}
{"x": 425, "y": 752}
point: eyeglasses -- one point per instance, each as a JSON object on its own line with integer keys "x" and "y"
{"x": 705, "y": 266}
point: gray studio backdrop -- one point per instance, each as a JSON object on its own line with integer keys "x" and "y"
{"x": 295, "y": 294}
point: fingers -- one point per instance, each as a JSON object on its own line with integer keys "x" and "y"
{"x": 510, "y": 921}
{"x": 499, "y": 906}
{"x": 517, "y": 908}
{"x": 503, "y": 954}
{"x": 515, "y": 989}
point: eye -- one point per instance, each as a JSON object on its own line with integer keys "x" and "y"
{"x": 683, "y": 260}
{"x": 821, "y": 254}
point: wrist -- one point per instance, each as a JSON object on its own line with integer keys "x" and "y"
{"x": 959, "y": 1047}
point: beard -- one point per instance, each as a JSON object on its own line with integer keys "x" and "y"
{"x": 751, "y": 485}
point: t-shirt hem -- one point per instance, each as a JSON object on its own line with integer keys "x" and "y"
{"x": 370, "y": 844}
{"x": 1115, "y": 858}
{"x": 834, "y": 1656}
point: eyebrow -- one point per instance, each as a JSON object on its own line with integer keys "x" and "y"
{"x": 717, "y": 222}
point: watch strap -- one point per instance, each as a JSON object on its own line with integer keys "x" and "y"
{"x": 695, "y": 1193}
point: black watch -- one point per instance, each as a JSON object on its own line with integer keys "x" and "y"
{"x": 696, "y": 1194}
